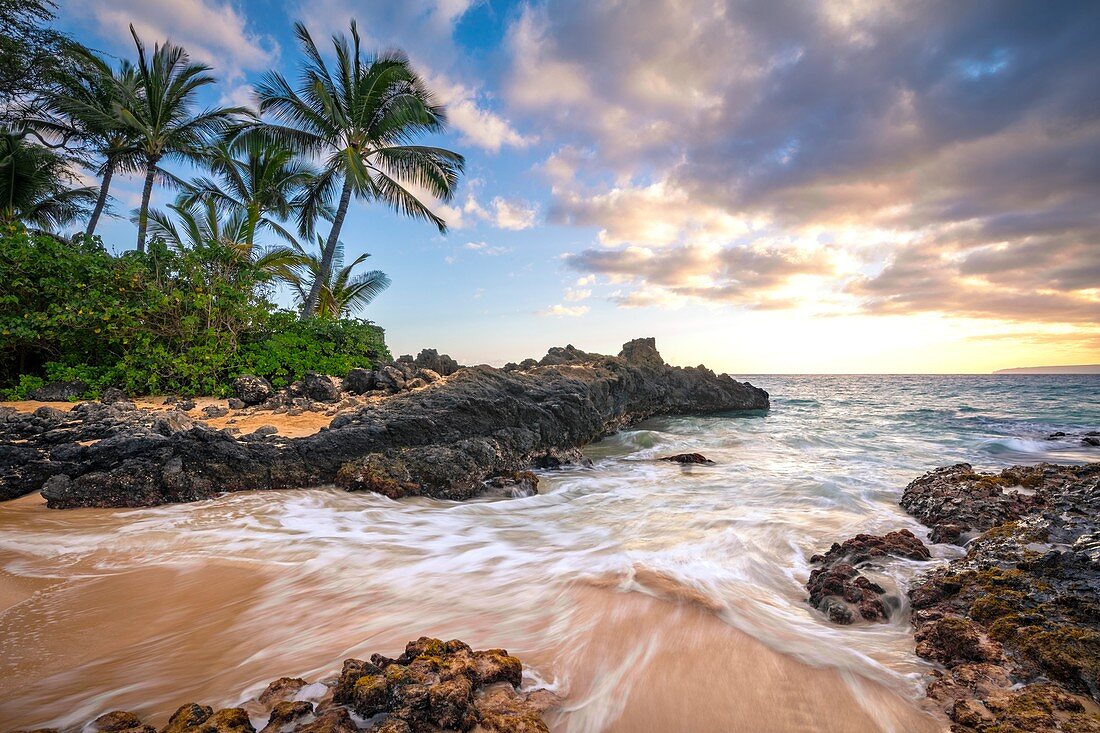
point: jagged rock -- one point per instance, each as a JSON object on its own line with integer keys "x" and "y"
{"x": 281, "y": 689}
{"x": 1017, "y": 620}
{"x": 185, "y": 405}
{"x": 112, "y": 395}
{"x": 286, "y": 712}
{"x": 59, "y": 391}
{"x": 321, "y": 388}
{"x": 840, "y": 591}
{"x": 1090, "y": 440}
{"x": 953, "y": 640}
{"x": 252, "y": 390}
{"x": 522, "y": 366}
{"x": 172, "y": 422}
{"x": 642, "y": 352}
{"x": 187, "y": 718}
{"x": 213, "y": 411}
{"x": 436, "y": 684}
{"x": 120, "y": 721}
{"x": 956, "y": 502}
{"x": 444, "y": 442}
{"x": 567, "y": 354}
{"x": 428, "y": 376}
{"x": 415, "y": 383}
{"x": 335, "y": 720}
{"x": 687, "y": 458}
{"x": 514, "y": 484}
{"x": 436, "y": 362}
{"x": 361, "y": 381}
{"x": 391, "y": 378}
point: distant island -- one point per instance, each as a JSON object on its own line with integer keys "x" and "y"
{"x": 1078, "y": 369}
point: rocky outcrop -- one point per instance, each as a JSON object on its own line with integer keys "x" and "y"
{"x": 443, "y": 441}
{"x": 59, "y": 392}
{"x": 441, "y": 364}
{"x": 252, "y": 390}
{"x": 1015, "y": 624}
{"x": 433, "y": 686}
{"x": 957, "y": 503}
{"x": 839, "y": 590}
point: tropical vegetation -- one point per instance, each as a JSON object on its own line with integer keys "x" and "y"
{"x": 260, "y": 201}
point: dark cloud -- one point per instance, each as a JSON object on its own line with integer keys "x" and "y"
{"x": 971, "y": 128}
{"x": 737, "y": 274}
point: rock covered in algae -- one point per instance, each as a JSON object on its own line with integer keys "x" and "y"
{"x": 432, "y": 686}
{"x": 1016, "y": 622}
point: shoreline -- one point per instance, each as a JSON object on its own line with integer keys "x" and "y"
{"x": 686, "y": 654}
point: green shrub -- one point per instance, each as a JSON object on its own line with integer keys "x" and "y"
{"x": 27, "y": 384}
{"x": 182, "y": 322}
{"x": 286, "y": 348}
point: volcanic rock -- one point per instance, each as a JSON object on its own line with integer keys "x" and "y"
{"x": 438, "y": 363}
{"x": 321, "y": 388}
{"x": 360, "y": 381}
{"x": 252, "y": 390}
{"x": 1017, "y": 620}
{"x": 687, "y": 458}
{"x": 444, "y": 442}
{"x": 841, "y": 591}
{"x": 59, "y": 391}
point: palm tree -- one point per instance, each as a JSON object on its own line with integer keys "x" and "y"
{"x": 163, "y": 115}
{"x": 361, "y": 119}
{"x": 32, "y": 188}
{"x": 83, "y": 106}
{"x": 340, "y": 291}
{"x": 257, "y": 176}
{"x": 199, "y": 225}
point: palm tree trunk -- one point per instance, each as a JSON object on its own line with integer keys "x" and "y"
{"x": 143, "y": 212}
{"x": 310, "y": 307}
{"x": 108, "y": 173}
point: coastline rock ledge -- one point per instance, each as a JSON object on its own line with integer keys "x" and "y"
{"x": 471, "y": 432}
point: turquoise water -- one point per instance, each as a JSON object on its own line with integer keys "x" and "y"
{"x": 345, "y": 574}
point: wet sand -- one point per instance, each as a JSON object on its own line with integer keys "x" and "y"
{"x": 149, "y": 639}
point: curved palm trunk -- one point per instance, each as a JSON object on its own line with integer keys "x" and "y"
{"x": 143, "y": 212}
{"x": 108, "y": 173}
{"x": 310, "y": 307}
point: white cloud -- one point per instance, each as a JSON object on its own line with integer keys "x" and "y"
{"x": 513, "y": 214}
{"x": 560, "y": 311}
{"x": 484, "y": 248}
{"x": 476, "y": 124}
{"x": 213, "y": 32}
{"x": 574, "y": 294}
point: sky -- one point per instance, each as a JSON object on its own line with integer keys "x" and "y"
{"x": 765, "y": 187}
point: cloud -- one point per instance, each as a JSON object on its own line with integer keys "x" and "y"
{"x": 560, "y": 311}
{"x": 575, "y": 294}
{"x": 476, "y": 124}
{"x": 213, "y": 32}
{"x": 513, "y": 213}
{"x": 483, "y": 248}
{"x": 892, "y": 158}
{"x": 747, "y": 275}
